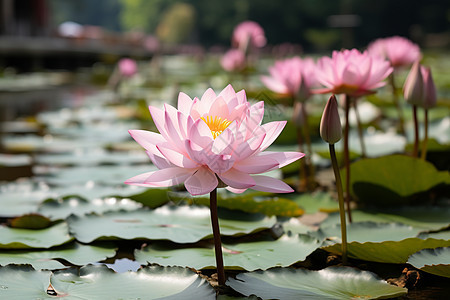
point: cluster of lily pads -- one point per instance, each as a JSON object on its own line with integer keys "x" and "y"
{"x": 74, "y": 229}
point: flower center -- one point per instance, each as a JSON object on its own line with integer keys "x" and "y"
{"x": 217, "y": 125}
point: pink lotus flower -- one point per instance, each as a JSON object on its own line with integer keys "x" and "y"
{"x": 127, "y": 67}
{"x": 248, "y": 33}
{"x": 233, "y": 60}
{"x": 212, "y": 142}
{"x": 351, "y": 72}
{"x": 398, "y": 50}
{"x": 293, "y": 77}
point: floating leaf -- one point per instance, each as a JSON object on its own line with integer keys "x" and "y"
{"x": 100, "y": 174}
{"x": 434, "y": 261}
{"x": 76, "y": 254}
{"x": 62, "y": 208}
{"x": 378, "y": 242}
{"x": 99, "y": 282}
{"x": 391, "y": 179}
{"x": 329, "y": 283}
{"x": 282, "y": 252}
{"x": 250, "y": 202}
{"x": 313, "y": 203}
{"x": 295, "y": 226}
{"x": 421, "y": 217}
{"x": 14, "y": 238}
{"x": 30, "y": 221}
{"x": 182, "y": 224}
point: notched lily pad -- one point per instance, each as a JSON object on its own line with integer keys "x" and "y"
{"x": 329, "y": 283}
{"x": 149, "y": 283}
{"x": 434, "y": 261}
{"x": 183, "y": 224}
{"x": 282, "y": 252}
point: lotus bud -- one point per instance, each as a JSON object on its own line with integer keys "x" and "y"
{"x": 430, "y": 89}
{"x": 127, "y": 67}
{"x": 414, "y": 89}
{"x": 330, "y": 124}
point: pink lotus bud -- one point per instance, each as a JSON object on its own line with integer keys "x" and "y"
{"x": 330, "y": 124}
{"x": 414, "y": 89}
{"x": 430, "y": 89}
{"x": 127, "y": 67}
{"x": 233, "y": 60}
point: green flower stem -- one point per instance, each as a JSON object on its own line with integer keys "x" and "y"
{"x": 425, "y": 139}
{"x": 310, "y": 175}
{"x": 347, "y": 156}
{"x": 360, "y": 131}
{"x": 216, "y": 235}
{"x": 303, "y": 180}
{"x": 416, "y": 132}
{"x": 401, "y": 126}
{"x": 341, "y": 202}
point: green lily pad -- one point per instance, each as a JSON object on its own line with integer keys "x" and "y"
{"x": 285, "y": 251}
{"x": 99, "y": 282}
{"x": 21, "y": 199}
{"x": 62, "y": 208}
{"x": 251, "y": 202}
{"x": 183, "y": 224}
{"x": 100, "y": 174}
{"x": 30, "y": 221}
{"x": 313, "y": 203}
{"x": 392, "y": 179}
{"x": 434, "y": 261}
{"x": 75, "y": 254}
{"x": 421, "y": 217}
{"x": 329, "y": 283}
{"x": 15, "y": 238}
{"x": 378, "y": 242}
{"x": 294, "y": 225}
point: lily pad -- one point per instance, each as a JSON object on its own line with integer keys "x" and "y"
{"x": 386, "y": 243}
{"x": 100, "y": 174}
{"x": 30, "y": 221}
{"x": 329, "y": 283}
{"x": 295, "y": 226}
{"x": 251, "y": 202}
{"x": 20, "y": 199}
{"x": 15, "y": 238}
{"x": 313, "y": 203}
{"x": 182, "y": 224}
{"x": 75, "y": 254}
{"x": 392, "y": 179}
{"x": 421, "y": 217}
{"x": 282, "y": 252}
{"x": 434, "y": 261}
{"x": 99, "y": 282}
{"x": 62, "y": 208}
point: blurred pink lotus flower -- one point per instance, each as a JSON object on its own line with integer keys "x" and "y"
{"x": 127, "y": 67}
{"x": 293, "y": 77}
{"x": 215, "y": 141}
{"x": 248, "y": 33}
{"x": 352, "y": 73}
{"x": 419, "y": 88}
{"x": 233, "y": 60}
{"x": 398, "y": 50}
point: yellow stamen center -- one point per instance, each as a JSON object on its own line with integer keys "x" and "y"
{"x": 217, "y": 125}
